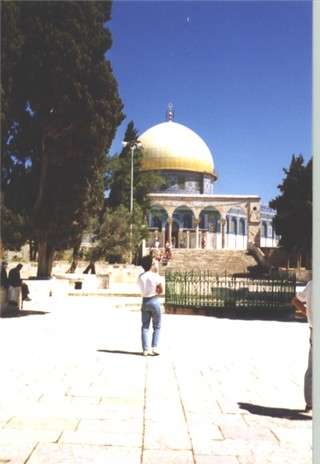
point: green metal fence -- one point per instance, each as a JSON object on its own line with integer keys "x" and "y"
{"x": 203, "y": 289}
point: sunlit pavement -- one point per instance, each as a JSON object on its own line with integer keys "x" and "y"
{"x": 76, "y": 390}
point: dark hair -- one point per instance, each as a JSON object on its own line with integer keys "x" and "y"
{"x": 146, "y": 262}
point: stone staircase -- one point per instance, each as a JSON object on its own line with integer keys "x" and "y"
{"x": 217, "y": 261}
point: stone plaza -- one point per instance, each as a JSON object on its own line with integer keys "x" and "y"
{"x": 76, "y": 390}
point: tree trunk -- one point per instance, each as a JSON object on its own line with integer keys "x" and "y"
{"x": 75, "y": 259}
{"x": 42, "y": 177}
{"x": 2, "y": 250}
{"x": 33, "y": 249}
{"x": 45, "y": 259}
{"x": 91, "y": 267}
{"x": 299, "y": 260}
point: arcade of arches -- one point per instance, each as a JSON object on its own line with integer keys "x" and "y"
{"x": 230, "y": 224}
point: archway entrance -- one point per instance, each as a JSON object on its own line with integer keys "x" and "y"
{"x": 210, "y": 223}
{"x": 174, "y": 234}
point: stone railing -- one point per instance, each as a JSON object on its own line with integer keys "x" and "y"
{"x": 86, "y": 282}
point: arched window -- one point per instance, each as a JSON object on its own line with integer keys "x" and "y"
{"x": 187, "y": 221}
{"x": 264, "y": 229}
{"x": 233, "y": 225}
{"x": 209, "y": 219}
{"x": 242, "y": 227}
{"x": 156, "y": 222}
{"x": 212, "y": 223}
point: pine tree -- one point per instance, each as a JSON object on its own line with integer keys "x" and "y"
{"x": 293, "y": 220}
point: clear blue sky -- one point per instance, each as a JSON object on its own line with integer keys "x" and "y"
{"x": 238, "y": 74}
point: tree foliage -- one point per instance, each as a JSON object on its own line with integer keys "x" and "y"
{"x": 118, "y": 234}
{"x": 13, "y": 229}
{"x": 118, "y": 181}
{"x": 60, "y": 111}
{"x": 114, "y": 237}
{"x": 293, "y": 220}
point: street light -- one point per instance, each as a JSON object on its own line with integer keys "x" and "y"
{"x": 133, "y": 144}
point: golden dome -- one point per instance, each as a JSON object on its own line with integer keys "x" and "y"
{"x": 172, "y": 146}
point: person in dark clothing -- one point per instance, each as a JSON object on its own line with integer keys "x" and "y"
{"x": 16, "y": 282}
{"x": 4, "y": 275}
{"x": 25, "y": 292}
{"x": 14, "y": 276}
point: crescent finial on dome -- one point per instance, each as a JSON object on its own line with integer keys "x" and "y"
{"x": 170, "y": 112}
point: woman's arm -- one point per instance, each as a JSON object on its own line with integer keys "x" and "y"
{"x": 159, "y": 288}
{"x": 299, "y": 305}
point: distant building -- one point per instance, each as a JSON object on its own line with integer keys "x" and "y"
{"x": 185, "y": 211}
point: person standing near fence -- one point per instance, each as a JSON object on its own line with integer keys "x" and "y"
{"x": 150, "y": 284}
{"x": 302, "y": 301}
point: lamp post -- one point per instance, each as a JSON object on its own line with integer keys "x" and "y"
{"x": 132, "y": 145}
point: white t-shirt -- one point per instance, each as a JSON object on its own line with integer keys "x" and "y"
{"x": 148, "y": 282}
{"x": 306, "y": 297}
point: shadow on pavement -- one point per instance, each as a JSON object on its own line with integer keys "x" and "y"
{"x": 135, "y": 353}
{"x": 236, "y": 313}
{"x": 281, "y": 413}
{"x": 22, "y": 313}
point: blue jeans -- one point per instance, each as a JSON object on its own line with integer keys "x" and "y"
{"x": 308, "y": 377}
{"x": 150, "y": 309}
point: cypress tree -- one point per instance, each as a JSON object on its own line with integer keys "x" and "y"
{"x": 66, "y": 113}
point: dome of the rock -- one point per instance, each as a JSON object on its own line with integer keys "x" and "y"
{"x": 170, "y": 146}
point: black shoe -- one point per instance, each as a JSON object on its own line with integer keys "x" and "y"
{"x": 26, "y": 299}
{"x": 308, "y": 407}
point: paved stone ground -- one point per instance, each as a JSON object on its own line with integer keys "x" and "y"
{"x": 76, "y": 390}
